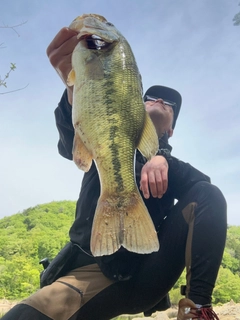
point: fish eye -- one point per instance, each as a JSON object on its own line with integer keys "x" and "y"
{"x": 96, "y": 43}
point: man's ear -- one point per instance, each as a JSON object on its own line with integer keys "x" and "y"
{"x": 170, "y": 133}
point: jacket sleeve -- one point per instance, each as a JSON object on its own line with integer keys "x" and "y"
{"x": 182, "y": 177}
{"x": 63, "y": 117}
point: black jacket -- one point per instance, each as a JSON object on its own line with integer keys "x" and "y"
{"x": 181, "y": 177}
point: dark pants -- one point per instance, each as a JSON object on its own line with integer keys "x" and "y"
{"x": 192, "y": 235}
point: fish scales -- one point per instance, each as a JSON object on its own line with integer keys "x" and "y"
{"x": 110, "y": 123}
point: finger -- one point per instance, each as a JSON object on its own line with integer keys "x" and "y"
{"x": 62, "y": 36}
{"x": 164, "y": 181}
{"x": 152, "y": 184}
{"x": 159, "y": 184}
{"x": 144, "y": 184}
{"x": 61, "y": 57}
{"x": 63, "y": 52}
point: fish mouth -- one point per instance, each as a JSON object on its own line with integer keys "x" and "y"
{"x": 94, "y": 42}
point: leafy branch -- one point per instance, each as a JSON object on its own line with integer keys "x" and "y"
{"x": 3, "y": 82}
{"x": 236, "y": 18}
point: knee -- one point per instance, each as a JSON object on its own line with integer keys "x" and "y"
{"x": 211, "y": 193}
{"x": 210, "y": 197}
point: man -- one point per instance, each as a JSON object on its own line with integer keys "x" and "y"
{"x": 191, "y": 233}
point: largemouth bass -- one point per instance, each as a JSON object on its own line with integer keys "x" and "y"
{"x": 110, "y": 123}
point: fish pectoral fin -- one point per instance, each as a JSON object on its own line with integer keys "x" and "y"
{"x": 124, "y": 223}
{"x": 148, "y": 144}
{"x": 81, "y": 155}
{"x": 71, "y": 78}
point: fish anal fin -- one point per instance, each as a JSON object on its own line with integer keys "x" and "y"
{"x": 81, "y": 155}
{"x": 106, "y": 227}
{"x": 123, "y": 222}
{"x": 71, "y": 78}
{"x": 148, "y": 144}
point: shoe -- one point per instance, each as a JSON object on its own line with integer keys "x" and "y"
{"x": 187, "y": 310}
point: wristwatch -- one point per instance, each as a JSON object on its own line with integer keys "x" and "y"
{"x": 165, "y": 153}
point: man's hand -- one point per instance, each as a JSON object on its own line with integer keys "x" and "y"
{"x": 59, "y": 53}
{"x": 154, "y": 177}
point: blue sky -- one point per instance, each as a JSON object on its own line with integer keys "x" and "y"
{"x": 189, "y": 45}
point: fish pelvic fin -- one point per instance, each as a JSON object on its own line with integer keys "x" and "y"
{"x": 71, "y": 78}
{"x": 123, "y": 222}
{"x": 148, "y": 144}
{"x": 81, "y": 155}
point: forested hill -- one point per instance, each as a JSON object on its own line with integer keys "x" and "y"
{"x": 28, "y": 237}
{"x": 39, "y": 232}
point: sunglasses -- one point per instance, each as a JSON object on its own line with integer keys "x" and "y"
{"x": 166, "y": 102}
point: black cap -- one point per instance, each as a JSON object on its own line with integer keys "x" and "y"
{"x": 168, "y": 94}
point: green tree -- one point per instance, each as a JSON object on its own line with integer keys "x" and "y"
{"x": 19, "y": 278}
{"x": 227, "y": 287}
{"x": 229, "y": 261}
{"x": 41, "y": 231}
{"x": 236, "y": 19}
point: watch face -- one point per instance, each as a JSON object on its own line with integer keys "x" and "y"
{"x": 164, "y": 152}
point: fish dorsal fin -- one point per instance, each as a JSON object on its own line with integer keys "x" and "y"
{"x": 71, "y": 78}
{"x": 148, "y": 144}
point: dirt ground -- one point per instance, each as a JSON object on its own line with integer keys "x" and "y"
{"x": 228, "y": 311}
{"x": 5, "y": 305}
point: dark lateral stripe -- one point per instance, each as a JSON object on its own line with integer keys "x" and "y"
{"x": 111, "y": 110}
{"x": 115, "y": 158}
{"x": 72, "y": 287}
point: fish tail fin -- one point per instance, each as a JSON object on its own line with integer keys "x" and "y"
{"x": 140, "y": 235}
{"x": 123, "y": 222}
